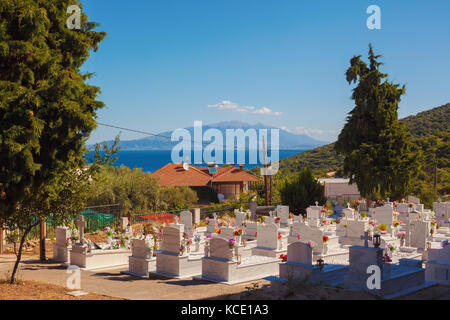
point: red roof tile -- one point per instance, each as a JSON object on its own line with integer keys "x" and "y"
{"x": 173, "y": 174}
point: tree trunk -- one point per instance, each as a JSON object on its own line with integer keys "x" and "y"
{"x": 19, "y": 254}
{"x": 42, "y": 237}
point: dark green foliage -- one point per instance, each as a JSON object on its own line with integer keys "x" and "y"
{"x": 322, "y": 159}
{"x": 379, "y": 154}
{"x": 47, "y": 110}
{"x": 136, "y": 191}
{"x": 300, "y": 190}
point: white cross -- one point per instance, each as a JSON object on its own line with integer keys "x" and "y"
{"x": 366, "y": 238}
{"x": 317, "y": 203}
{"x": 81, "y": 225}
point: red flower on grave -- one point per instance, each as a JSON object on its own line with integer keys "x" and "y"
{"x": 325, "y": 238}
{"x": 283, "y": 257}
{"x": 279, "y": 236}
{"x": 256, "y": 234}
{"x": 298, "y": 237}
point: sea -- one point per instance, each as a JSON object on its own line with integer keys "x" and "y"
{"x": 152, "y": 160}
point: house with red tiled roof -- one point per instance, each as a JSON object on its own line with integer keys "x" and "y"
{"x": 229, "y": 181}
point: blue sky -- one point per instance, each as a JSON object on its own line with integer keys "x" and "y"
{"x": 167, "y": 63}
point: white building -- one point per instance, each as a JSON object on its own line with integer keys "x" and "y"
{"x": 339, "y": 189}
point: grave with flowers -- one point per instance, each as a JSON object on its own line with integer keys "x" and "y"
{"x": 222, "y": 264}
{"x": 176, "y": 259}
{"x": 269, "y": 242}
{"x": 371, "y": 270}
{"x": 90, "y": 255}
{"x": 442, "y": 212}
{"x": 326, "y": 246}
{"x": 300, "y": 264}
{"x": 143, "y": 249}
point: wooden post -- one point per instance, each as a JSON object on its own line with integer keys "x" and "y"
{"x": 1, "y": 240}
{"x": 43, "y": 234}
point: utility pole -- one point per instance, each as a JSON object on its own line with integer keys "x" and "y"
{"x": 43, "y": 231}
{"x": 266, "y": 196}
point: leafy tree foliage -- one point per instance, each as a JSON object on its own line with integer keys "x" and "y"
{"x": 47, "y": 109}
{"x": 379, "y": 154}
{"x": 301, "y": 190}
{"x": 137, "y": 191}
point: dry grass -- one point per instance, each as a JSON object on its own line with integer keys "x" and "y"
{"x": 298, "y": 290}
{"x": 301, "y": 290}
{"x": 33, "y": 290}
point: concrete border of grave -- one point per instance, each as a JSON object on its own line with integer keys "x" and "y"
{"x": 300, "y": 266}
{"x": 142, "y": 261}
{"x": 396, "y": 280}
{"x": 222, "y": 266}
{"x": 98, "y": 259}
{"x": 438, "y": 265}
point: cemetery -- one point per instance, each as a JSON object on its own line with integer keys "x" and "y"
{"x": 411, "y": 252}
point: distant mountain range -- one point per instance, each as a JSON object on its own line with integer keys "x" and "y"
{"x": 287, "y": 140}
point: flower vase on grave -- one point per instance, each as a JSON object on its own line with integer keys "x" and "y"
{"x": 325, "y": 248}
{"x": 402, "y": 242}
{"x": 238, "y": 240}
{"x": 149, "y": 255}
{"x": 206, "y": 250}
{"x": 197, "y": 247}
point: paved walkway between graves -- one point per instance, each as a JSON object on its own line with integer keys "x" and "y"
{"x": 112, "y": 283}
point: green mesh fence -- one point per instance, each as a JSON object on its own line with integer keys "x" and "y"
{"x": 96, "y": 220}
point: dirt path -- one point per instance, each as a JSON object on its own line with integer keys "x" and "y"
{"x": 112, "y": 283}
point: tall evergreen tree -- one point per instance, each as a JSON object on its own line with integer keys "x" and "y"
{"x": 379, "y": 155}
{"x": 47, "y": 110}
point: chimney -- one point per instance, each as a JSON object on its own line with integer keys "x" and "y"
{"x": 241, "y": 166}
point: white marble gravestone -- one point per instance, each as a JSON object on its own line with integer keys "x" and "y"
{"x": 239, "y": 219}
{"x": 309, "y": 234}
{"x": 413, "y": 199}
{"x": 212, "y": 225}
{"x": 223, "y": 266}
{"x": 267, "y": 236}
{"x": 61, "y": 248}
{"x": 442, "y": 210}
{"x": 186, "y": 220}
{"x": 355, "y": 229}
{"x": 314, "y": 216}
{"x": 267, "y": 241}
{"x": 226, "y": 232}
{"x": 419, "y": 233}
{"x": 299, "y": 266}
{"x": 142, "y": 261}
{"x": 384, "y": 215}
{"x": 348, "y": 213}
{"x": 403, "y": 208}
{"x": 438, "y": 265}
{"x": 362, "y": 207}
{"x": 283, "y": 213}
{"x": 396, "y": 280}
{"x": 173, "y": 262}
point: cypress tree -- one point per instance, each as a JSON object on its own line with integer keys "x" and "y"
{"x": 379, "y": 155}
